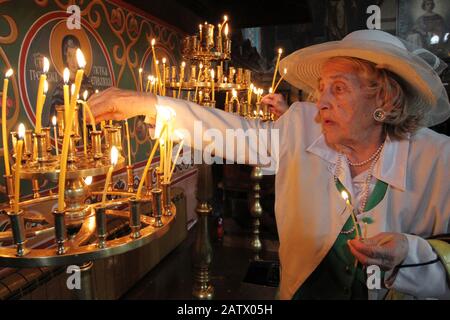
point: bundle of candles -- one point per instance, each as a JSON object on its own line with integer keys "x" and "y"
{"x": 34, "y": 152}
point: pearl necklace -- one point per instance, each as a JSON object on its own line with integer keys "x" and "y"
{"x": 366, "y": 186}
{"x": 372, "y": 157}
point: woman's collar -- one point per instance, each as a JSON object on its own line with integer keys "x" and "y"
{"x": 390, "y": 168}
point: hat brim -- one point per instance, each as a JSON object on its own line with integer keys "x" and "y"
{"x": 420, "y": 81}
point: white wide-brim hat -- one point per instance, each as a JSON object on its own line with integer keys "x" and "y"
{"x": 421, "y": 82}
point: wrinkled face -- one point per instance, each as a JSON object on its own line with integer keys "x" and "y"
{"x": 345, "y": 111}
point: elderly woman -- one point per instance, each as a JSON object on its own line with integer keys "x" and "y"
{"x": 366, "y": 136}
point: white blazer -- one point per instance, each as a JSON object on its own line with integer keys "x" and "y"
{"x": 309, "y": 210}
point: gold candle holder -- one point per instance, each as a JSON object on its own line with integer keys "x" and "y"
{"x": 247, "y": 77}
{"x": 231, "y": 73}
{"x": 42, "y": 155}
{"x": 227, "y": 49}
{"x": 193, "y": 74}
{"x": 35, "y": 187}
{"x": 156, "y": 207}
{"x": 9, "y": 182}
{"x": 219, "y": 73}
{"x": 173, "y": 76}
{"x": 159, "y": 178}
{"x": 135, "y": 217}
{"x": 60, "y": 231}
{"x": 28, "y": 144}
{"x": 60, "y": 120}
{"x": 18, "y": 231}
{"x": 166, "y": 199}
{"x": 72, "y": 154}
{"x": 100, "y": 223}
{"x": 239, "y": 76}
{"x": 209, "y": 36}
{"x": 96, "y": 141}
{"x": 46, "y": 130}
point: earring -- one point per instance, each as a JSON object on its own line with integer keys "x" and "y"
{"x": 379, "y": 115}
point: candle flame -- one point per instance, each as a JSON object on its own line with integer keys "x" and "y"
{"x": 226, "y": 30}
{"x": 85, "y": 95}
{"x": 88, "y": 180}
{"x": 261, "y": 91}
{"x": 72, "y": 88}
{"x": 280, "y": 51}
{"x": 153, "y": 42}
{"x": 164, "y": 60}
{"x": 114, "y": 155}
{"x": 270, "y": 90}
{"x": 45, "y": 87}
{"x": 80, "y": 59}
{"x": 46, "y": 65}
{"x": 157, "y": 62}
{"x": 66, "y": 75}
{"x": 21, "y": 131}
{"x": 201, "y": 65}
{"x": 225, "y": 18}
{"x": 96, "y": 91}
{"x": 344, "y": 195}
{"x": 234, "y": 93}
{"x": 9, "y": 73}
{"x": 140, "y": 70}
{"x": 149, "y": 78}
{"x": 251, "y": 86}
{"x": 212, "y": 74}
{"x": 183, "y": 64}
{"x": 255, "y": 90}
{"x": 54, "y": 120}
{"x": 164, "y": 115}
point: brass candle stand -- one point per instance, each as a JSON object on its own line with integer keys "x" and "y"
{"x": 80, "y": 231}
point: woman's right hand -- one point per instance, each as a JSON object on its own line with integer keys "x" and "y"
{"x": 277, "y": 104}
{"x": 119, "y": 104}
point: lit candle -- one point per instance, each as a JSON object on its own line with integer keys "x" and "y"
{"x": 41, "y": 95}
{"x": 280, "y": 51}
{"x": 114, "y": 158}
{"x": 198, "y": 80}
{"x": 56, "y": 136}
{"x": 345, "y": 196}
{"x": 155, "y": 61}
{"x": 164, "y": 76}
{"x": 68, "y": 131}
{"x": 212, "y": 84}
{"x": 249, "y": 94}
{"x": 226, "y": 98}
{"x": 279, "y": 81}
{"x": 149, "y": 162}
{"x": 66, "y": 93}
{"x": 141, "y": 88}
{"x": 159, "y": 84}
{"x": 4, "y": 126}
{"x": 85, "y": 142}
{"x": 128, "y": 142}
{"x": 19, "y": 150}
{"x": 183, "y": 65}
